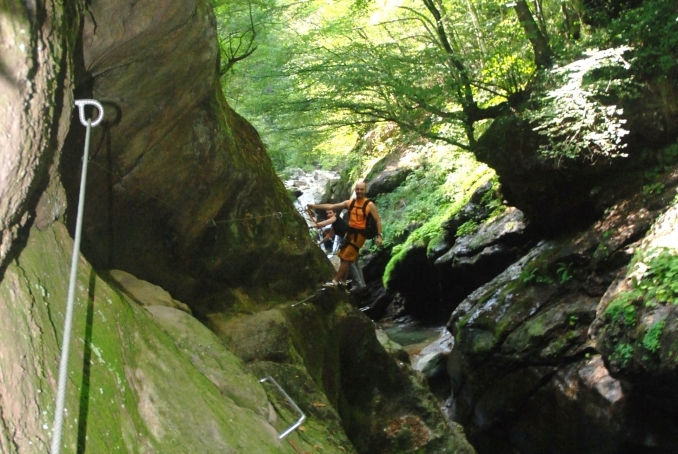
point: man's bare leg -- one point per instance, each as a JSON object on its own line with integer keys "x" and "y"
{"x": 342, "y": 272}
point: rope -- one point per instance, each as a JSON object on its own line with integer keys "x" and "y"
{"x": 70, "y": 302}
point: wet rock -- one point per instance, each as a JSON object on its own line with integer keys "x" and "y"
{"x": 413, "y": 277}
{"x": 428, "y": 359}
{"x": 432, "y": 360}
{"x": 478, "y": 257}
{"x": 375, "y": 301}
{"x": 374, "y": 264}
{"x": 393, "y": 348}
{"x": 313, "y": 187}
{"x": 636, "y": 327}
{"x": 586, "y": 405}
{"x": 473, "y": 210}
{"x": 507, "y": 228}
{"x": 329, "y": 357}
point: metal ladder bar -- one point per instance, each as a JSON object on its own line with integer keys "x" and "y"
{"x": 294, "y": 405}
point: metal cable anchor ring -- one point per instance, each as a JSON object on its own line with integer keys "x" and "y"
{"x": 81, "y": 103}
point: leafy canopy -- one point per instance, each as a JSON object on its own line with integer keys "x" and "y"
{"x": 310, "y": 72}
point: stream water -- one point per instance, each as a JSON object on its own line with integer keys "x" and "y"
{"x": 412, "y": 336}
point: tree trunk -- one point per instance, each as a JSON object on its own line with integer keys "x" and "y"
{"x": 572, "y": 26}
{"x": 464, "y": 90}
{"x": 540, "y": 18}
{"x": 542, "y": 52}
{"x": 478, "y": 31}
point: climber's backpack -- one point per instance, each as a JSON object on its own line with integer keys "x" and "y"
{"x": 370, "y": 230}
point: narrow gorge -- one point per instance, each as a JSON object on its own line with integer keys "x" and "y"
{"x": 529, "y": 255}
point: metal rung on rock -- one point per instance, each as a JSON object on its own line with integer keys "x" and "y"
{"x": 295, "y": 406}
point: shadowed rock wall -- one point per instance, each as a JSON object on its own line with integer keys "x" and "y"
{"x": 173, "y": 165}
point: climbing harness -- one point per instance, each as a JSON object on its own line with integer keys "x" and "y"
{"x": 68, "y": 319}
{"x": 302, "y": 416}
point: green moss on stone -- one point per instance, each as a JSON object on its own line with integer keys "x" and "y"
{"x": 130, "y": 388}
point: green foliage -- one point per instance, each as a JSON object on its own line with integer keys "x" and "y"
{"x": 432, "y": 193}
{"x": 622, "y": 308}
{"x": 608, "y": 234}
{"x": 573, "y": 320}
{"x": 652, "y": 29}
{"x": 574, "y": 118}
{"x": 651, "y": 338}
{"x": 652, "y": 189}
{"x": 659, "y": 283}
{"x": 310, "y": 75}
{"x": 623, "y": 353}
{"x": 564, "y": 272}
{"x": 493, "y": 200}
{"x": 467, "y": 228}
{"x": 668, "y": 157}
{"x": 534, "y": 274}
{"x": 528, "y": 275}
{"x": 396, "y": 258}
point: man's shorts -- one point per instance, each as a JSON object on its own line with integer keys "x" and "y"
{"x": 350, "y": 252}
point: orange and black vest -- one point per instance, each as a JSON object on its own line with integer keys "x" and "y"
{"x": 357, "y": 215}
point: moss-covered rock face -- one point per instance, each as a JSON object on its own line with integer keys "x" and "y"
{"x": 638, "y": 316}
{"x": 563, "y": 352}
{"x": 137, "y": 382}
{"x": 549, "y": 169}
{"x": 326, "y": 354}
{"x": 181, "y": 192}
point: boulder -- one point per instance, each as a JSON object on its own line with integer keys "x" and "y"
{"x": 144, "y": 292}
{"x": 387, "y": 180}
{"x": 536, "y": 367}
{"x": 637, "y": 318}
{"x": 474, "y": 210}
{"x": 507, "y": 229}
{"x": 559, "y": 192}
{"x": 327, "y": 355}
